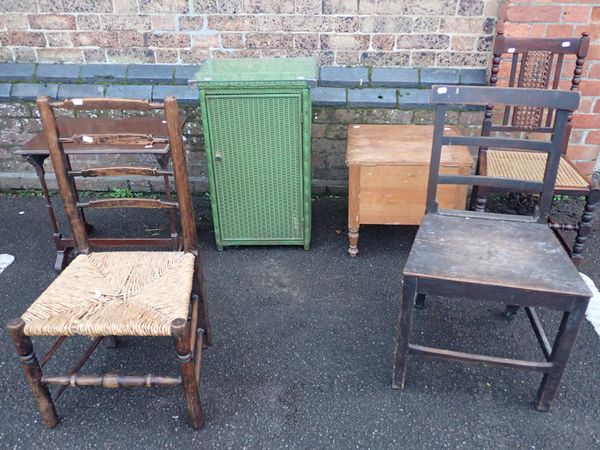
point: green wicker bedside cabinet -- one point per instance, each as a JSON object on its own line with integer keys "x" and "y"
{"x": 256, "y": 115}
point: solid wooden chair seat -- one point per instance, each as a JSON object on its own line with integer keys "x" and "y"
{"x": 115, "y": 294}
{"x": 531, "y": 166}
{"x": 503, "y": 253}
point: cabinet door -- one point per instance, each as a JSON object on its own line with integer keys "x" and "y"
{"x": 256, "y": 157}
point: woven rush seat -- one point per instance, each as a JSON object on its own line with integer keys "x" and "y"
{"x": 530, "y": 166}
{"x": 115, "y": 294}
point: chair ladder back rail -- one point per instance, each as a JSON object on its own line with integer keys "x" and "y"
{"x": 82, "y": 104}
{"x": 568, "y": 46}
{"x": 114, "y": 139}
{"x": 481, "y": 95}
{"x": 120, "y": 171}
{"x": 561, "y": 101}
{"x": 148, "y": 203}
{"x": 184, "y": 196}
{"x": 61, "y": 170}
{"x": 436, "y": 154}
{"x": 504, "y": 183}
{"x": 505, "y": 143}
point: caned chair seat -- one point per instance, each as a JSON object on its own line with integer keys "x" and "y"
{"x": 531, "y": 166}
{"x": 115, "y": 294}
{"x": 474, "y": 251}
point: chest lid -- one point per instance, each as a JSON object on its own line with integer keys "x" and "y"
{"x": 401, "y": 145}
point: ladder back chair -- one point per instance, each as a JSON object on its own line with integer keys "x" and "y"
{"x": 104, "y": 295}
{"x": 538, "y": 63}
{"x": 495, "y": 257}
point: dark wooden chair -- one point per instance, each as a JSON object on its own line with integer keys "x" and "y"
{"x": 496, "y": 257}
{"x": 538, "y": 63}
{"x": 118, "y": 293}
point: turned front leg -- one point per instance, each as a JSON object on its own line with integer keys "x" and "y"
{"x": 33, "y": 371}
{"x": 180, "y": 329}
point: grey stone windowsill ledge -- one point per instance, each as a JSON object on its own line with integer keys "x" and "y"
{"x": 340, "y": 87}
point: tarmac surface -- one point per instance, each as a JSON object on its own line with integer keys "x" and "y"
{"x": 302, "y": 353}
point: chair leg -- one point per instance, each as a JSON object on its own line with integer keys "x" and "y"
{"x": 480, "y": 203}
{"x": 201, "y": 288}
{"x": 479, "y": 196}
{"x": 420, "y": 301}
{"x": 111, "y": 341}
{"x": 474, "y": 196}
{"x": 181, "y": 333}
{"x": 585, "y": 225}
{"x": 33, "y": 372}
{"x": 561, "y": 351}
{"x": 510, "y": 312}
{"x": 403, "y": 327}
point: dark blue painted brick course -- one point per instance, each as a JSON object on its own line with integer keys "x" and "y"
{"x": 395, "y": 77}
{"x": 344, "y": 76}
{"x": 473, "y": 76}
{"x": 328, "y": 96}
{"x": 58, "y": 72}
{"x": 185, "y": 72}
{"x": 150, "y": 73}
{"x": 382, "y": 98}
{"x": 29, "y": 91}
{"x": 184, "y": 94}
{"x": 430, "y": 77}
{"x": 141, "y": 91}
{"x": 104, "y": 72}
{"x": 16, "y": 72}
{"x": 80, "y": 91}
{"x": 5, "y": 91}
{"x": 414, "y": 98}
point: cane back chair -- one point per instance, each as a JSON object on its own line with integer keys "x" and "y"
{"x": 104, "y": 295}
{"x": 538, "y": 63}
{"x": 496, "y": 257}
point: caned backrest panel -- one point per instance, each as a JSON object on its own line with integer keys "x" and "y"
{"x": 128, "y": 135}
{"x": 537, "y": 63}
{"x": 560, "y": 101}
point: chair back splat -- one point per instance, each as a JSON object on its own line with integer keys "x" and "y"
{"x": 563, "y": 102}
{"x": 536, "y": 63}
{"x": 66, "y": 177}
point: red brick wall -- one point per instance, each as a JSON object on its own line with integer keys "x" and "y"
{"x": 566, "y": 18}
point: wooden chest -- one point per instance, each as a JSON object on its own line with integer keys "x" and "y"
{"x": 388, "y": 172}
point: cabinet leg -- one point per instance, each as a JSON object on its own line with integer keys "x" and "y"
{"x": 353, "y": 241}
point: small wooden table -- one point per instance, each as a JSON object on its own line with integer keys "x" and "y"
{"x": 389, "y": 169}
{"x": 36, "y": 151}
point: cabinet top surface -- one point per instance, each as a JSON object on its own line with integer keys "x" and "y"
{"x": 255, "y": 70}
{"x": 401, "y": 145}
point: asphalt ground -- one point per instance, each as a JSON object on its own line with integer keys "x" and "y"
{"x": 302, "y": 353}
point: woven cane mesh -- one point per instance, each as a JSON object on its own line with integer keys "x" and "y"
{"x": 530, "y": 166}
{"x": 115, "y": 294}
{"x": 536, "y": 67}
{"x": 260, "y": 176}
